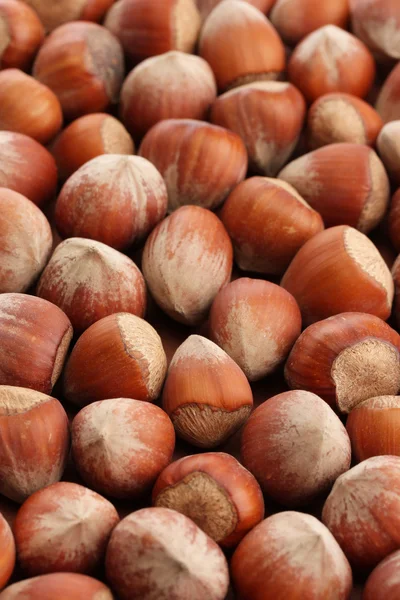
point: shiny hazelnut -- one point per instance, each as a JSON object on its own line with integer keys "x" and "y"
{"x": 377, "y": 24}
{"x": 346, "y": 359}
{"x": 200, "y": 163}
{"x": 185, "y": 562}
{"x": 125, "y": 197}
{"x": 296, "y": 447}
{"x": 53, "y": 14}
{"x": 25, "y": 241}
{"x": 396, "y": 279}
{"x": 149, "y": 28}
{"x": 170, "y": 86}
{"x": 336, "y": 118}
{"x": 120, "y": 356}
{"x": 27, "y": 167}
{"x": 394, "y": 226}
{"x": 83, "y": 64}
{"x": 89, "y": 280}
{"x": 35, "y": 336}
{"x": 291, "y": 555}
{"x": 387, "y": 103}
{"x": 363, "y": 508}
{"x": 186, "y": 260}
{"x": 215, "y": 491}
{"x": 88, "y": 137}
{"x": 22, "y": 33}
{"x": 41, "y": 119}
{"x": 340, "y": 258}
{"x": 294, "y": 19}
{"x": 60, "y": 586}
{"x": 256, "y": 322}
{"x": 7, "y": 552}
{"x": 206, "y": 394}
{"x": 346, "y": 183}
{"x": 206, "y": 6}
{"x": 331, "y": 60}
{"x": 34, "y": 441}
{"x": 388, "y": 145}
{"x": 121, "y": 445}
{"x": 374, "y": 427}
{"x": 383, "y": 583}
{"x": 268, "y": 222}
{"x": 268, "y": 116}
{"x": 241, "y": 45}
{"x": 63, "y": 527}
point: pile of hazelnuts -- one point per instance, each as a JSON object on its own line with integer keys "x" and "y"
{"x": 199, "y": 299}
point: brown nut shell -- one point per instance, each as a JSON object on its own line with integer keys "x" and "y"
{"x": 119, "y": 356}
{"x": 340, "y": 258}
{"x": 34, "y": 441}
{"x": 241, "y": 45}
{"x": 215, "y": 491}
{"x": 346, "y": 183}
{"x": 206, "y": 394}
{"x": 346, "y": 359}
{"x": 275, "y": 556}
{"x": 268, "y": 116}
{"x": 363, "y": 508}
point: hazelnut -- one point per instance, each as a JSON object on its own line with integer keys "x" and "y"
{"x": 331, "y": 60}
{"x": 384, "y": 583}
{"x": 268, "y": 116}
{"x": 25, "y": 241}
{"x": 200, "y": 163}
{"x": 387, "y": 103}
{"x": 346, "y": 183}
{"x": 124, "y": 198}
{"x": 256, "y": 322}
{"x": 396, "y": 279}
{"x": 34, "y": 441}
{"x": 388, "y": 145}
{"x": 294, "y": 19}
{"x": 7, "y": 552}
{"x": 172, "y": 85}
{"x": 58, "y": 585}
{"x": 88, "y": 137}
{"x": 118, "y": 356}
{"x": 363, "y": 508}
{"x": 340, "y": 258}
{"x": 346, "y": 359}
{"x": 374, "y": 426}
{"x": 89, "y": 280}
{"x": 215, "y": 491}
{"x": 22, "y": 34}
{"x": 41, "y": 119}
{"x": 394, "y": 226}
{"x": 291, "y": 555}
{"x": 336, "y": 118}
{"x": 377, "y": 24}
{"x": 63, "y": 527}
{"x": 206, "y": 394}
{"x": 206, "y": 6}
{"x": 186, "y": 260}
{"x": 27, "y": 167}
{"x": 241, "y": 45}
{"x": 296, "y": 447}
{"x": 53, "y": 14}
{"x": 185, "y": 562}
{"x": 268, "y": 222}
{"x": 120, "y": 446}
{"x": 83, "y": 64}
{"x": 149, "y": 28}
{"x": 35, "y": 336}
